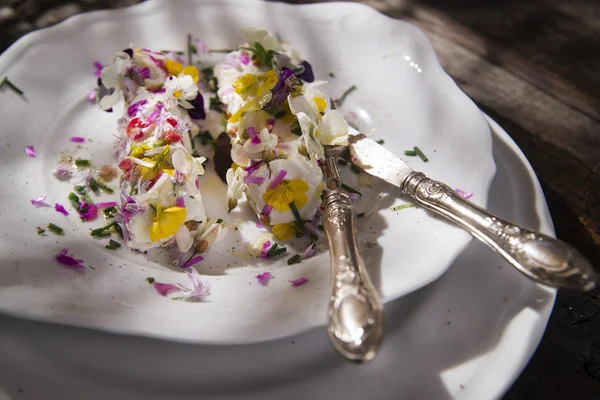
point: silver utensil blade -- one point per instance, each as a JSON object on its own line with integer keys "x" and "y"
{"x": 377, "y": 161}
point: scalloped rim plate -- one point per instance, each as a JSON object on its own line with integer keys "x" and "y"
{"x": 403, "y": 95}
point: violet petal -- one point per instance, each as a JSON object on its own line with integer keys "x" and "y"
{"x": 264, "y": 278}
{"x": 299, "y": 282}
{"x": 30, "y": 151}
{"x": 59, "y": 208}
{"x": 38, "y": 201}
{"x": 165, "y": 288}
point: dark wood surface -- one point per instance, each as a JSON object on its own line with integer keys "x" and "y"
{"x": 532, "y": 65}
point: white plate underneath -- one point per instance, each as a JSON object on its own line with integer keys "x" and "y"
{"x": 465, "y": 336}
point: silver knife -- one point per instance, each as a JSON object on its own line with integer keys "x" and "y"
{"x": 544, "y": 259}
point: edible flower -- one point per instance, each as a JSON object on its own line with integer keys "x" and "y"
{"x": 197, "y": 292}
{"x": 166, "y": 222}
{"x": 59, "y": 208}
{"x": 30, "y": 151}
{"x": 183, "y": 89}
{"x": 69, "y": 261}
{"x": 305, "y": 72}
{"x": 165, "y": 288}
{"x": 261, "y": 246}
{"x": 285, "y": 193}
{"x": 192, "y": 261}
{"x": 112, "y": 80}
{"x": 299, "y": 282}
{"x": 176, "y": 69}
{"x": 264, "y": 278}
{"x": 235, "y": 186}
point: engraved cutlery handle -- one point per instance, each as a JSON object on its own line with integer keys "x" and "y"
{"x": 545, "y": 259}
{"x": 355, "y": 323}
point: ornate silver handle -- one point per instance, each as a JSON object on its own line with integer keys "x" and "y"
{"x": 545, "y": 259}
{"x": 355, "y": 324}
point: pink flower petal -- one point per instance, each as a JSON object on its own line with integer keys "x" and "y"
{"x": 244, "y": 58}
{"x": 69, "y": 261}
{"x": 266, "y": 211}
{"x": 463, "y": 193}
{"x": 193, "y": 261}
{"x": 106, "y": 204}
{"x": 309, "y": 252}
{"x": 77, "y": 139}
{"x": 264, "y": 278}
{"x": 278, "y": 179}
{"x": 30, "y": 151}
{"x": 39, "y": 200}
{"x": 91, "y": 97}
{"x": 165, "y": 288}
{"x": 257, "y": 180}
{"x": 299, "y": 282}
{"x": 59, "y": 208}
{"x": 265, "y": 249}
{"x": 179, "y": 202}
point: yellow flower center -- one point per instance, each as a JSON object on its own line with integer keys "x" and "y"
{"x": 166, "y": 222}
{"x": 245, "y": 84}
{"x": 321, "y": 103}
{"x": 177, "y": 93}
{"x": 284, "y": 231}
{"x": 285, "y": 193}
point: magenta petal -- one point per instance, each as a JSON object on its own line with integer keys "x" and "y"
{"x": 92, "y": 96}
{"x": 266, "y": 211}
{"x": 179, "y": 202}
{"x": 69, "y": 261}
{"x": 299, "y": 282}
{"x": 30, "y": 151}
{"x": 264, "y": 278}
{"x": 59, "y": 208}
{"x": 165, "y": 288}
{"x": 39, "y": 200}
{"x": 463, "y": 193}
{"x": 257, "y": 180}
{"x": 265, "y": 249}
{"x": 193, "y": 261}
{"x": 245, "y": 58}
{"x": 106, "y": 204}
{"x": 278, "y": 179}
{"x": 77, "y": 139}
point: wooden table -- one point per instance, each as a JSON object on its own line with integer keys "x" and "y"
{"x": 533, "y": 66}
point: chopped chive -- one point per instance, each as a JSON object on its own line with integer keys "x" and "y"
{"x": 103, "y": 187}
{"x": 11, "y": 85}
{"x": 219, "y": 221}
{"x": 410, "y": 153}
{"x": 153, "y": 207}
{"x": 108, "y": 246}
{"x": 295, "y": 259}
{"x": 402, "y": 207}
{"x": 101, "y": 231}
{"x": 360, "y": 215}
{"x": 178, "y": 52}
{"x": 177, "y": 298}
{"x": 278, "y": 252}
{"x": 221, "y": 50}
{"x": 321, "y": 228}
{"x": 371, "y": 244}
{"x": 332, "y": 75}
{"x": 40, "y": 230}
{"x": 114, "y": 243}
{"x": 421, "y": 154}
{"x": 74, "y": 200}
{"x": 346, "y": 93}
{"x": 350, "y": 189}
{"x": 215, "y": 104}
{"x": 55, "y": 228}
{"x": 296, "y": 215}
{"x": 93, "y": 185}
{"x": 341, "y": 161}
{"x": 103, "y": 234}
{"x": 119, "y": 230}
{"x": 355, "y": 168}
{"x": 380, "y": 141}
{"x": 109, "y": 211}
{"x": 150, "y": 280}
{"x": 82, "y": 163}
{"x": 272, "y": 249}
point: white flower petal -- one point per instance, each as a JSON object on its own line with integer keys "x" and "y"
{"x": 238, "y": 155}
{"x": 333, "y": 127}
{"x": 184, "y": 238}
{"x": 313, "y": 145}
{"x": 108, "y": 101}
{"x": 180, "y": 161}
{"x": 108, "y": 77}
{"x": 261, "y": 36}
{"x": 301, "y": 104}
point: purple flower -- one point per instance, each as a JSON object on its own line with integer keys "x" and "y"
{"x": 199, "y": 290}
{"x": 306, "y": 72}
{"x": 106, "y": 204}
{"x": 309, "y": 252}
{"x": 265, "y": 249}
{"x": 198, "y": 111}
{"x": 256, "y": 180}
{"x": 59, "y": 208}
{"x": 299, "y": 282}
{"x": 266, "y": 211}
{"x": 264, "y": 278}
{"x": 135, "y": 107}
{"x": 193, "y": 261}
{"x": 253, "y": 166}
{"x": 179, "y": 202}
{"x": 69, "y": 261}
{"x": 97, "y": 69}
{"x": 144, "y": 73}
{"x": 77, "y": 139}
{"x": 88, "y": 212}
{"x": 281, "y": 88}
{"x": 282, "y": 173}
{"x": 244, "y": 58}
{"x": 165, "y": 288}
{"x": 30, "y": 151}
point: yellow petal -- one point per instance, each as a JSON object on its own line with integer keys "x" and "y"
{"x": 300, "y": 200}
{"x": 298, "y": 185}
{"x": 173, "y": 67}
{"x": 192, "y": 71}
{"x": 167, "y": 223}
{"x": 321, "y": 103}
{"x": 283, "y": 231}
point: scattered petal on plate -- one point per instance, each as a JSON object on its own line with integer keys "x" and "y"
{"x": 299, "y": 282}
{"x": 59, "y": 208}
{"x": 165, "y": 288}
{"x": 30, "y": 151}
{"x": 193, "y": 261}
{"x": 77, "y": 139}
{"x": 38, "y": 201}
{"x": 264, "y": 278}
{"x": 69, "y": 261}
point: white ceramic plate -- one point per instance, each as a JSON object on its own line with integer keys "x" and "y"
{"x": 465, "y": 336}
{"x": 403, "y": 94}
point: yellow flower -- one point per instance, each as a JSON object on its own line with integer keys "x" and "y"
{"x": 284, "y": 231}
{"x": 245, "y": 84}
{"x": 173, "y": 67}
{"x": 286, "y": 192}
{"x": 253, "y": 105}
{"x": 288, "y": 118}
{"x": 269, "y": 79}
{"x": 166, "y": 222}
